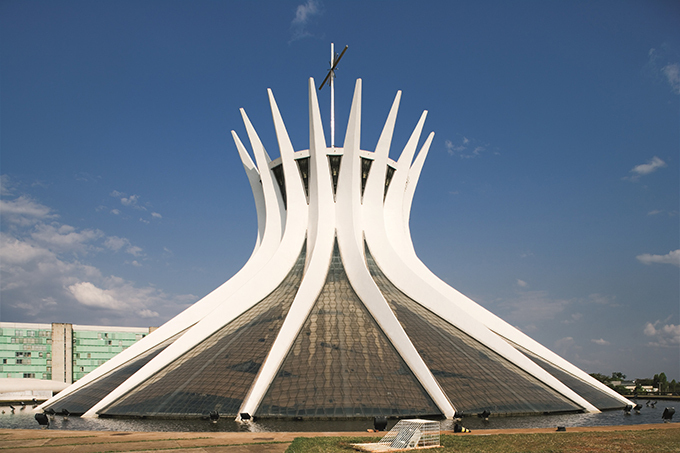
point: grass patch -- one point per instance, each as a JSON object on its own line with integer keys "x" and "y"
{"x": 649, "y": 441}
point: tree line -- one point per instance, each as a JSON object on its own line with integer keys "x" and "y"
{"x": 659, "y": 381}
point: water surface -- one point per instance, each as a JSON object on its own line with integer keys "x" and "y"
{"x": 25, "y": 419}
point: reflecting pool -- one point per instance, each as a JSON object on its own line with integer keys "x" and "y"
{"x": 25, "y": 419}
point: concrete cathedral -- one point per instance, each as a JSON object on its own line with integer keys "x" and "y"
{"x": 334, "y": 315}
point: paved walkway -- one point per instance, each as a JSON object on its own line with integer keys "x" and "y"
{"x": 60, "y": 441}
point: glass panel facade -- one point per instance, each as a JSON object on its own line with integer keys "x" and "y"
{"x": 303, "y": 166}
{"x": 217, "y": 373}
{"x": 25, "y": 351}
{"x": 473, "y": 376}
{"x": 80, "y": 401}
{"x": 365, "y": 170}
{"x": 597, "y": 398}
{"x": 388, "y": 179}
{"x": 342, "y": 364}
{"x": 281, "y": 181}
{"x": 334, "y": 163}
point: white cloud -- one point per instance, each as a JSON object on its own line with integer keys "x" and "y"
{"x": 15, "y": 252}
{"x": 133, "y": 202}
{"x": 565, "y": 345}
{"x": 645, "y": 169}
{"x": 115, "y": 244}
{"x": 134, "y": 250}
{"x": 602, "y": 299}
{"x": 303, "y": 15}
{"x": 601, "y": 342}
{"x": 88, "y": 294}
{"x": 574, "y": 317}
{"x": 521, "y": 283}
{"x": 119, "y": 297}
{"x": 667, "y": 335}
{"x": 65, "y": 238}
{"x": 305, "y": 11}
{"x": 5, "y": 185}
{"x": 466, "y": 148}
{"x": 672, "y": 73}
{"x": 533, "y": 307}
{"x": 24, "y": 211}
{"x": 43, "y": 277}
{"x": 663, "y": 65}
{"x": 672, "y": 257}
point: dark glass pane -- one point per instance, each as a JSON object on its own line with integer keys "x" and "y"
{"x": 281, "y": 180}
{"x": 303, "y": 166}
{"x": 365, "y": 170}
{"x": 334, "y": 162}
{"x": 388, "y": 179}
{"x": 82, "y": 400}
{"x": 473, "y": 376}
{"x": 342, "y": 364}
{"x": 596, "y": 397}
{"x": 217, "y": 373}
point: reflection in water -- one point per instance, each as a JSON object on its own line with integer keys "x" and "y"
{"x": 25, "y": 419}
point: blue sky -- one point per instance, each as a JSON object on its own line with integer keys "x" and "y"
{"x": 550, "y": 195}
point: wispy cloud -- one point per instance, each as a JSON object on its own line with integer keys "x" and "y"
{"x": 672, "y": 257}
{"x": 601, "y": 342}
{"x": 672, "y": 73}
{"x": 24, "y": 211}
{"x": 565, "y": 346}
{"x": 44, "y": 276}
{"x": 645, "y": 169}
{"x": 663, "y": 64}
{"x": 467, "y": 148}
{"x": 116, "y": 243}
{"x": 664, "y": 335}
{"x": 304, "y": 13}
{"x": 134, "y": 201}
{"x": 530, "y": 308}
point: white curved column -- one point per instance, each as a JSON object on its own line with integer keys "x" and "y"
{"x": 394, "y": 201}
{"x": 350, "y": 243}
{"x": 274, "y": 207}
{"x": 269, "y": 275}
{"x": 253, "y": 175}
{"x": 413, "y": 176}
{"x": 320, "y": 250}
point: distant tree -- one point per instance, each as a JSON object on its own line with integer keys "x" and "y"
{"x": 618, "y": 376}
{"x": 621, "y": 390}
{"x": 602, "y": 378}
{"x": 661, "y": 382}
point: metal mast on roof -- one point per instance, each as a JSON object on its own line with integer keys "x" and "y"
{"x": 335, "y": 59}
